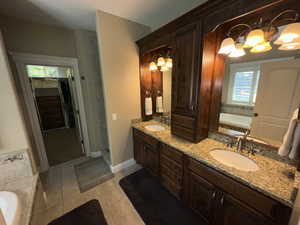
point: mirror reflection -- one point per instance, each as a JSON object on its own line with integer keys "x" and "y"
{"x": 260, "y": 95}
{"x": 167, "y": 86}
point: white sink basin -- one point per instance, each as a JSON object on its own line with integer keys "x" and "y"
{"x": 155, "y": 127}
{"x": 234, "y": 160}
{"x": 10, "y": 207}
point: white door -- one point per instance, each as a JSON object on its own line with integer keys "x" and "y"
{"x": 278, "y": 96}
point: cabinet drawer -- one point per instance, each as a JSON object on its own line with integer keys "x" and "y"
{"x": 174, "y": 188}
{"x": 172, "y": 153}
{"x": 175, "y": 176}
{"x": 253, "y": 198}
{"x": 146, "y": 138}
{"x": 183, "y": 121}
{"x": 183, "y": 132}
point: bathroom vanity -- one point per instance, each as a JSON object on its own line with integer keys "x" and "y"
{"x": 248, "y": 97}
{"x": 218, "y": 193}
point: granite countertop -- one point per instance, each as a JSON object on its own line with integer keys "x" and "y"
{"x": 25, "y": 188}
{"x": 271, "y": 179}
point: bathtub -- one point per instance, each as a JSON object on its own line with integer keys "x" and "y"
{"x": 10, "y": 208}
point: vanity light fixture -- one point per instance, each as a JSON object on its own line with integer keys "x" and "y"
{"x": 290, "y": 46}
{"x": 153, "y": 66}
{"x": 238, "y": 51}
{"x": 164, "y": 68}
{"x": 227, "y": 46}
{"x": 263, "y": 47}
{"x": 161, "y": 61}
{"x": 169, "y": 62}
{"x": 290, "y": 34}
{"x": 254, "y": 38}
{"x": 259, "y": 39}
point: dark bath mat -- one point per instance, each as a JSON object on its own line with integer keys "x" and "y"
{"x": 91, "y": 173}
{"x": 89, "y": 213}
{"x": 154, "y": 203}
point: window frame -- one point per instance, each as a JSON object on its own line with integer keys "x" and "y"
{"x": 233, "y": 71}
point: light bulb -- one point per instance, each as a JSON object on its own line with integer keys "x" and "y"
{"x": 164, "y": 68}
{"x": 153, "y": 66}
{"x": 227, "y": 46}
{"x": 237, "y": 52}
{"x": 161, "y": 61}
{"x": 263, "y": 47}
{"x": 290, "y": 46}
{"x": 254, "y": 38}
{"x": 169, "y": 63}
{"x": 290, "y": 34}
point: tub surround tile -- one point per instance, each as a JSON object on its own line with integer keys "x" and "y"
{"x": 272, "y": 179}
{"x": 17, "y": 176}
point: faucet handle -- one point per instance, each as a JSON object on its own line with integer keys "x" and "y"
{"x": 229, "y": 143}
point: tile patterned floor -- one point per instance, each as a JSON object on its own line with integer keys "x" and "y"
{"x": 58, "y": 193}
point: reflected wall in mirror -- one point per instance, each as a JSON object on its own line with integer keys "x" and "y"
{"x": 167, "y": 94}
{"x": 261, "y": 93}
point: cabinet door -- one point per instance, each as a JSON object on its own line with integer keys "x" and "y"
{"x": 151, "y": 158}
{"x": 234, "y": 212}
{"x": 138, "y": 150}
{"x": 201, "y": 196}
{"x": 185, "y": 79}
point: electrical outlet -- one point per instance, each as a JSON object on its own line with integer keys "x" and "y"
{"x": 114, "y": 116}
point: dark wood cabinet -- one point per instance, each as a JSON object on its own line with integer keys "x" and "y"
{"x": 234, "y": 212}
{"x": 217, "y": 198}
{"x": 186, "y": 79}
{"x": 171, "y": 170}
{"x": 201, "y": 196}
{"x": 221, "y": 200}
{"x": 146, "y": 152}
{"x": 185, "y": 72}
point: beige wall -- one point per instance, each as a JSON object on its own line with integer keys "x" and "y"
{"x": 27, "y": 37}
{"x": 88, "y": 56}
{"x": 167, "y": 88}
{"x": 12, "y": 131}
{"x": 120, "y": 75}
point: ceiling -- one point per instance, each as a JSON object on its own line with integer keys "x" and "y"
{"x": 81, "y": 13}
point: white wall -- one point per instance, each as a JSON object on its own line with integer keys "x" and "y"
{"x": 120, "y": 75}
{"x": 12, "y": 130}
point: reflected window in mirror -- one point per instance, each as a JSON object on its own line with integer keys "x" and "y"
{"x": 260, "y": 94}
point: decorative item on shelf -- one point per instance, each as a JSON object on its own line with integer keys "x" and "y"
{"x": 259, "y": 37}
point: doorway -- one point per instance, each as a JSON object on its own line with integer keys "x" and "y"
{"x": 56, "y": 109}
{"x": 51, "y": 88}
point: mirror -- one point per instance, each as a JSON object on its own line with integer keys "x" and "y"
{"x": 167, "y": 94}
{"x": 260, "y": 94}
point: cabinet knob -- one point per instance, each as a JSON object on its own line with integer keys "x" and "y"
{"x": 255, "y": 114}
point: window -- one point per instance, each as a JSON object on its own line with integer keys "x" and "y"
{"x": 243, "y": 85}
{"x": 36, "y": 71}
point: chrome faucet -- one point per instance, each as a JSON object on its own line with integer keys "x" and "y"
{"x": 241, "y": 141}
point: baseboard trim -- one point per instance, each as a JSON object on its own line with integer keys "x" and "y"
{"x": 95, "y": 154}
{"x": 122, "y": 165}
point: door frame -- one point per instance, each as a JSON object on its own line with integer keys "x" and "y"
{"x": 23, "y": 59}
